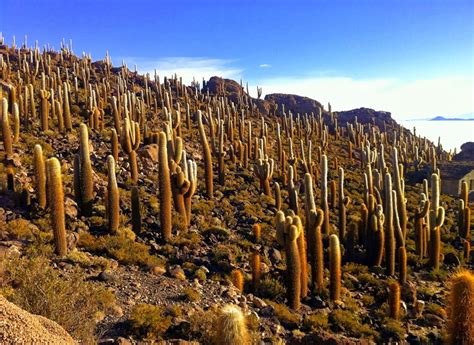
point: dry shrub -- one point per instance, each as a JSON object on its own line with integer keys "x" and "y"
{"x": 70, "y": 301}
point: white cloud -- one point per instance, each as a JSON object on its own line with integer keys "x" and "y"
{"x": 265, "y": 65}
{"x": 405, "y": 99}
{"x": 186, "y": 67}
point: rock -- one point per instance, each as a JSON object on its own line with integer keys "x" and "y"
{"x": 157, "y": 270}
{"x": 451, "y": 259}
{"x": 149, "y": 152}
{"x": 122, "y": 341}
{"x": 70, "y": 207}
{"x": 177, "y": 272}
{"x": 116, "y": 310}
{"x": 275, "y": 255}
{"x": 17, "y": 326}
{"x": 259, "y": 303}
{"x": 106, "y": 276}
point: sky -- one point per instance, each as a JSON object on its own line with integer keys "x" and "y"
{"x": 414, "y": 58}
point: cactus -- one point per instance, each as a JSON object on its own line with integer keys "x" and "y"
{"x": 264, "y": 171}
{"x": 303, "y": 257}
{"x": 237, "y": 279}
{"x": 292, "y": 192}
{"x": 420, "y": 215}
{"x": 464, "y": 193}
{"x": 83, "y": 174}
{"x": 389, "y": 235}
{"x": 179, "y": 186}
{"x": 334, "y": 268}
{"x": 114, "y": 144}
{"x": 343, "y": 203}
{"x": 190, "y": 173}
{"x": 164, "y": 188}
{"x": 315, "y": 247}
{"x": 56, "y": 202}
{"x": 377, "y": 226}
{"x": 40, "y": 176}
{"x": 399, "y": 187}
{"x": 436, "y": 221}
{"x": 44, "y": 94}
{"x": 136, "y": 210}
{"x": 66, "y": 108}
{"x": 231, "y": 328}
{"x": 402, "y": 265}
{"x": 293, "y": 268}
{"x": 394, "y": 300}
{"x": 324, "y": 194}
{"x": 277, "y": 191}
{"x": 6, "y": 132}
{"x": 256, "y": 272}
{"x": 256, "y": 230}
{"x": 130, "y": 141}
{"x": 113, "y": 202}
{"x": 461, "y": 308}
{"x": 207, "y": 157}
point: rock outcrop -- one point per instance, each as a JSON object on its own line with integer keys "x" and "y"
{"x": 17, "y": 326}
{"x": 467, "y": 152}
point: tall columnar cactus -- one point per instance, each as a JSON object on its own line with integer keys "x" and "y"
{"x": 399, "y": 187}
{"x": 179, "y": 186}
{"x": 315, "y": 248}
{"x": 402, "y": 265}
{"x": 436, "y": 221}
{"x": 189, "y": 168}
{"x": 461, "y": 308}
{"x": 390, "y": 249}
{"x": 207, "y": 157}
{"x": 303, "y": 257}
{"x": 334, "y": 268}
{"x": 231, "y": 327}
{"x": 113, "y": 202}
{"x": 394, "y": 300}
{"x": 256, "y": 271}
{"x": 114, "y": 144}
{"x": 130, "y": 141}
{"x": 164, "y": 183}
{"x": 293, "y": 268}
{"x": 66, "y": 108}
{"x": 343, "y": 203}
{"x": 40, "y": 176}
{"x": 6, "y": 132}
{"x": 277, "y": 193}
{"x": 264, "y": 171}
{"x": 420, "y": 215}
{"x": 464, "y": 193}
{"x": 56, "y": 202}
{"x": 83, "y": 174}
{"x": 44, "y": 94}
{"x": 136, "y": 210}
{"x": 324, "y": 194}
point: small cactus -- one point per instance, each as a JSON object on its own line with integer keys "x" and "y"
{"x": 256, "y": 272}
{"x": 256, "y": 231}
{"x": 394, "y": 300}
{"x": 237, "y": 279}
{"x": 231, "y": 328}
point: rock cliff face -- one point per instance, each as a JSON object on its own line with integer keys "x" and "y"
{"x": 17, "y": 326}
{"x": 294, "y": 103}
{"x": 467, "y": 152}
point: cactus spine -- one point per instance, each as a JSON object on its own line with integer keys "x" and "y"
{"x": 164, "y": 188}
{"x": 334, "y": 268}
{"x": 461, "y": 308}
{"x": 113, "y": 207}
{"x": 56, "y": 202}
{"x": 231, "y": 327}
{"x": 40, "y": 176}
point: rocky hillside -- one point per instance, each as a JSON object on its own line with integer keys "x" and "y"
{"x": 136, "y": 209}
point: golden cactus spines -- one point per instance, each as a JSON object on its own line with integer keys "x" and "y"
{"x": 334, "y": 268}
{"x": 256, "y": 270}
{"x": 113, "y": 202}
{"x": 394, "y": 300}
{"x": 461, "y": 308}
{"x": 231, "y": 327}
{"x": 40, "y": 176}
{"x": 56, "y": 205}
{"x": 164, "y": 188}
{"x": 237, "y": 279}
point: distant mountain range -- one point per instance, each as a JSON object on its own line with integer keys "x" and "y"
{"x": 465, "y": 117}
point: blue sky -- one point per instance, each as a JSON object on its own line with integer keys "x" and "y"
{"x": 414, "y": 58}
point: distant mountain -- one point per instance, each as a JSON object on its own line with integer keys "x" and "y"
{"x": 464, "y": 117}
